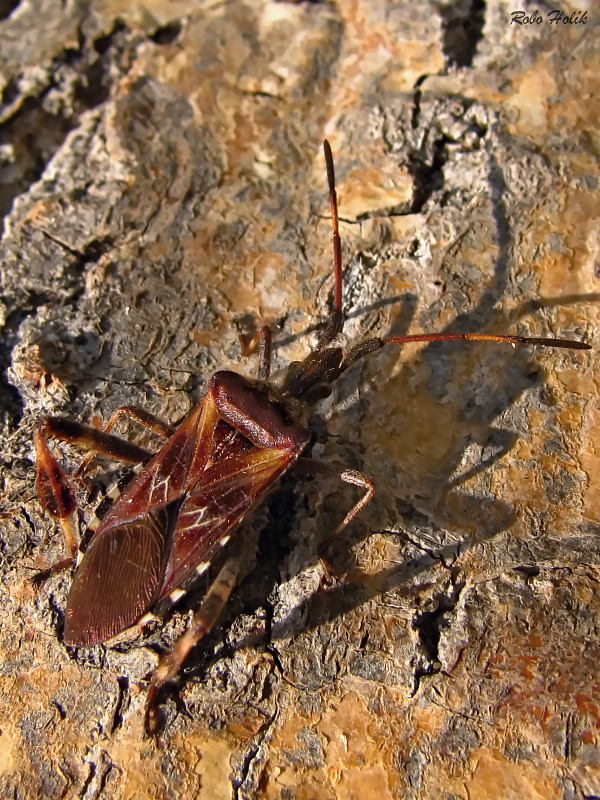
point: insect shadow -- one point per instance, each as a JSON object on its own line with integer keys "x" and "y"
{"x": 435, "y": 531}
{"x": 428, "y": 522}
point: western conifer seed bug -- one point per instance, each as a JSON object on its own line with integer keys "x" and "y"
{"x": 188, "y": 499}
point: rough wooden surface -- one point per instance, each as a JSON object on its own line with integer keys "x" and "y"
{"x": 163, "y": 187}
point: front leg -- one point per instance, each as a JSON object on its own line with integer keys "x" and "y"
{"x": 53, "y": 487}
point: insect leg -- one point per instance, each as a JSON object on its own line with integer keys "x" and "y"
{"x": 202, "y": 623}
{"x": 262, "y": 340}
{"x": 264, "y": 353}
{"x": 348, "y": 476}
{"x": 90, "y": 438}
{"x": 139, "y": 415}
{"x": 145, "y": 418}
{"x": 54, "y": 488}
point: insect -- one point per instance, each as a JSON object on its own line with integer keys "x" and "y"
{"x": 188, "y": 499}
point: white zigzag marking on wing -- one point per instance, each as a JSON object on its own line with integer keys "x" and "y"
{"x": 196, "y": 519}
{"x": 163, "y": 486}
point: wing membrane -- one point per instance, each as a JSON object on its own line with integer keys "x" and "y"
{"x": 119, "y": 578}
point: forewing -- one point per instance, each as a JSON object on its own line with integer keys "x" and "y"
{"x": 166, "y": 477}
{"x": 175, "y": 513}
{"x": 227, "y": 492}
{"x": 119, "y": 578}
